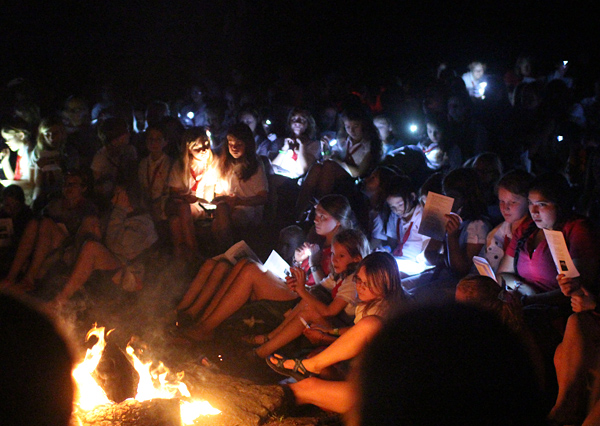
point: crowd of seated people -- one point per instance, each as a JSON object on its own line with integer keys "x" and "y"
{"x": 189, "y": 178}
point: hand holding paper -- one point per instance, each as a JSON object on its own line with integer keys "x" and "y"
{"x": 560, "y": 253}
{"x": 433, "y": 223}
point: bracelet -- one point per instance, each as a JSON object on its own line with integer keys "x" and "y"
{"x": 281, "y": 151}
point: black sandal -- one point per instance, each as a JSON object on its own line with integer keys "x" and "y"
{"x": 299, "y": 372}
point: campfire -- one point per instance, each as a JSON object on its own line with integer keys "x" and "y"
{"x": 118, "y": 388}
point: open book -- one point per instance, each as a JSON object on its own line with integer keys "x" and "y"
{"x": 484, "y": 267}
{"x": 241, "y": 250}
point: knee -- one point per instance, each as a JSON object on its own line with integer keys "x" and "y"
{"x": 90, "y": 248}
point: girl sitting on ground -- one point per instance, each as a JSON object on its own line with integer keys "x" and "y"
{"x": 217, "y": 278}
{"x": 48, "y": 160}
{"x": 332, "y": 303}
{"x": 242, "y": 189}
{"x": 354, "y": 155}
{"x": 192, "y": 181}
{"x": 15, "y": 158}
{"x": 380, "y": 290}
{"x": 396, "y": 227}
{"x": 512, "y": 197}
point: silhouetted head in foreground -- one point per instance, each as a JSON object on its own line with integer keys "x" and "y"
{"x": 36, "y": 387}
{"x": 451, "y": 365}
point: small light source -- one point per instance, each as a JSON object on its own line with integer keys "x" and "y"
{"x": 565, "y": 63}
{"x": 413, "y": 128}
{"x": 333, "y": 142}
{"x": 268, "y": 122}
{"x": 559, "y": 138}
{"x": 208, "y": 134}
{"x": 190, "y": 115}
{"x": 482, "y": 87}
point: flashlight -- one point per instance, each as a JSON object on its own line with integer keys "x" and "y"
{"x": 481, "y": 89}
{"x": 190, "y": 115}
{"x": 268, "y": 122}
{"x": 333, "y": 142}
{"x": 413, "y": 128}
{"x": 565, "y": 63}
{"x": 559, "y": 138}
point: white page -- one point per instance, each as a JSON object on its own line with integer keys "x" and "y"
{"x": 484, "y": 267}
{"x": 433, "y": 223}
{"x": 560, "y": 253}
{"x": 277, "y": 265}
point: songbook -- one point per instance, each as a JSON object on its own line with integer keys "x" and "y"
{"x": 560, "y": 253}
{"x": 484, "y": 267}
{"x": 433, "y": 223}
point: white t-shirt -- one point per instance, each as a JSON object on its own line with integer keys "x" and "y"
{"x": 495, "y": 244}
{"x": 415, "y": 244}
{"x": 346, "y": 291}
{"x": 233, "y": 185}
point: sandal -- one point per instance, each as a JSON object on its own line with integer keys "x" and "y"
{"x": 299, "y": 372}
{"x": 256, "y": 340}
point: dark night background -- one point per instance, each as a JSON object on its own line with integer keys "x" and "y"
{"x": 156, "y": 48}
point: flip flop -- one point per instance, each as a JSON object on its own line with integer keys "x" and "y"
{"x": 299, "y": 372}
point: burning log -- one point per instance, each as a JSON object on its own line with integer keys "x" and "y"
{"x": 155, "y": 412}
{"x": 115, "y": 374}
{"x": 242, "y": 401}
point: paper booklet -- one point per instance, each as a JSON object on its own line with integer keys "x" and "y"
{"x": 238, "y": 251}
{"x": 241, "y": 250}
{"x": 433, "y": 223}
{"x": 560, "y": 253}
{"x": 484, "y": 267}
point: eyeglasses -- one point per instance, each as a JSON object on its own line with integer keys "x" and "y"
{"x": 358, "y": 281}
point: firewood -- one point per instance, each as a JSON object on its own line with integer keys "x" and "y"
{"x": 115, "y": 374}
{"x": 155, "y": 412}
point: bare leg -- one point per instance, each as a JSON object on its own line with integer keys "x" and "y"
{"x": 196, "y": 285}
{"x": 346, "y": 347}
{"x": 50, "y": 237}
{"x": 183, "y": 233}
{"x": 26, "y": 246}
{"x": 573, "y": 359}
{"x": 93, "y": 256}
{"x": 290, "y": 331}
{"x": 338, "y": 397}
{"x": 219, "y": 281}
{"x": 222, "y": 227}
{"x": 250, "y": 285}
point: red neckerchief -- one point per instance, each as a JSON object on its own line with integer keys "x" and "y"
{"x": 18, "y": 171}
{"x": 506, "y": 242}
{"x": 335, "y": 289}
{"x": 398, "y": 250}
{"x": 197, "y": 178}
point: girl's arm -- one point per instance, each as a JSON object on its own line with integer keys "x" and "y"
{"x": 459, "y": 259}
{"x": 334, "y": 308}
{"x": 305, "y": 157}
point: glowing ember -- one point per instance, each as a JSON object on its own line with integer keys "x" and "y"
{"x": 153, "y": 383}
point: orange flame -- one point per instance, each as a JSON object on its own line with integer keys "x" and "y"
{"x": 153, "y": 383}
